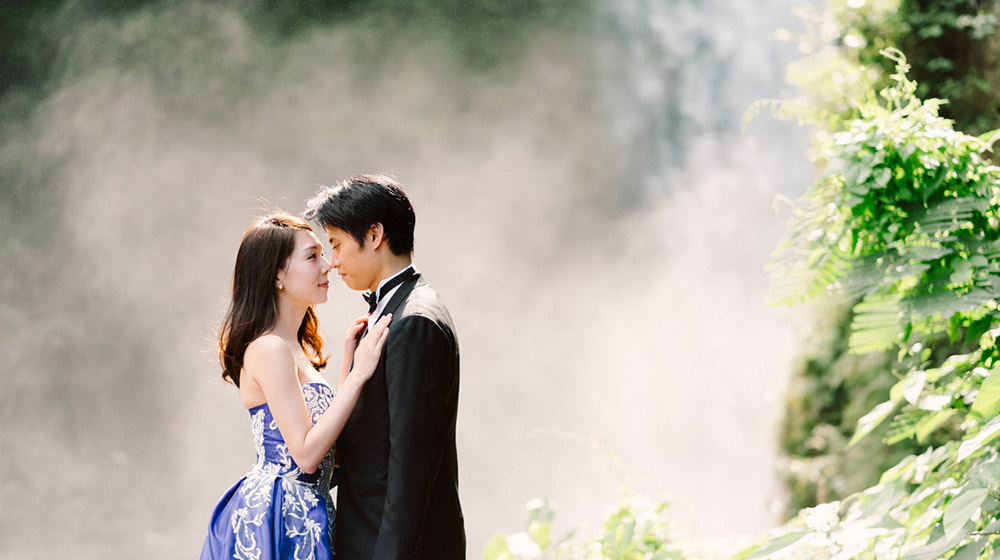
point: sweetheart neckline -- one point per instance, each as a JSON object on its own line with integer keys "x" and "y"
{"x": 322, "y": 383}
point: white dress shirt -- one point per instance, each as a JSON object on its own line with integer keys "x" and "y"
{"x": 384, "y": 300}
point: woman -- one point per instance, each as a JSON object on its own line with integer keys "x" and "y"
{"x": 271, "y": 349}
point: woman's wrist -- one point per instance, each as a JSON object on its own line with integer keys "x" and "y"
{"x": 352, "y": 383}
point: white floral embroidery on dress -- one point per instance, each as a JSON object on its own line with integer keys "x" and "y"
{"x": 299, "y": 496}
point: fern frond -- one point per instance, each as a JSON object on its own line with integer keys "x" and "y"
{"x": 904, "y": 425}
{"x": 950, "y": 214}
{"x": 877, "y": 324}
{"x": 987, "y": 139}
{"x": 866, "y": 275}
{"x": 798, "y": 278}
{"x": 784, "y": 109}
{"x": 946, "y": 304}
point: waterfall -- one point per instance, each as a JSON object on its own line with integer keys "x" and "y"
{"x": 590, "y": 210}
{"x": 675, "y": 79}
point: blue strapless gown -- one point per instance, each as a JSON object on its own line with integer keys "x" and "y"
{"x": 276, "y": 511}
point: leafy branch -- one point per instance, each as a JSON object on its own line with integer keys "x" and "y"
{"x": 905, "y": 218}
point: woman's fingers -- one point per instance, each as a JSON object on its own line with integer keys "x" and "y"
{"x": 381, "y": 339}
{"x": 376, "y": 336}
{"x": 358, "y": 325}
{"x": 353, "y": 335}
{"x": 382, "y": 323}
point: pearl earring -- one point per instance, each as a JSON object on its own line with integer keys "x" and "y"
{"x": 280, "y": 286}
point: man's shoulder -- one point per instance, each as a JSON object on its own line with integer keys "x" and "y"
{"x": 424, "y": 303}
{"x": 423, "y": 300}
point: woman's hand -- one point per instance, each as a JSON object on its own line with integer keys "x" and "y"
{"x": 369, "y": 350}
{"x": 352, "y": 338}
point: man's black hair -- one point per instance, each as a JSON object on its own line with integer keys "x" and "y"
{"x": 355, "y": 204}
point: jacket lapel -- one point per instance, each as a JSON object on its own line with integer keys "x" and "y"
{"x": 402, "y": 293}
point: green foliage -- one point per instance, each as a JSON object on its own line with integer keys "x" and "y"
{"x": 955, "y": 48}
{"x": 840, "y": 72}
{"x": 831, "y": 391}
{"x": 904, "y": 216}
{"x": 841, "y": 44}
{"x": 637, "y": 529}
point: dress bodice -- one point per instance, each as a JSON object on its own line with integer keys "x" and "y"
{"x": 273, "y": 457}
{"x": 276, "y": 511}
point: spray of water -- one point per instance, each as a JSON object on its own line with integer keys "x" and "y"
{"x": 620, "y": 301}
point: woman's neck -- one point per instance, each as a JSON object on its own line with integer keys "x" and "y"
{"x": 289, "y": 320}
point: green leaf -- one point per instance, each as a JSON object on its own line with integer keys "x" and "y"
{"x": 970, "y": 446}
{"x": 497, "y": 549}
{"x": 962, "y": 508}
{"x": 972, "y": 550}
{"x": 988, "y": 139}
{"x": 928, "y": 424}
{"x": 985, "y": 474}
{"x": 540, "y": 532}
{"x": 909, "y": 387}
{"x": 899, "y": 470}
{"x": 961, "y": 274}
{"x": 936, "y": 549}
{"x": 904, "y": 425}
{"x": 774, "y": 545}
{"x": 856, "y": 175}
{"x": 988, "y": 339}
{"x": 876, "y": 325}
{"x": 882, "y": 177}
{"x": 870, "y": 421}
{"x": 987, "y": 403}
{"x": 872, "y": 504}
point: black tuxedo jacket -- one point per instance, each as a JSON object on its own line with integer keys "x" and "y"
{"x": 397, "y": 494}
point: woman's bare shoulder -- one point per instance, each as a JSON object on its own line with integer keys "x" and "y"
{"x": 267, "y": 350}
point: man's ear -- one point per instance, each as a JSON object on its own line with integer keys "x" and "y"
{"x": 376, "y": 235}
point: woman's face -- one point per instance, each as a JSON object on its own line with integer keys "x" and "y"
{"x": 304, "y": 278}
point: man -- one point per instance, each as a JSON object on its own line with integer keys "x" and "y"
{"x": 397, "y": 478}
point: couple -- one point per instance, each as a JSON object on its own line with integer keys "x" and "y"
{"x": 392, "y": 417}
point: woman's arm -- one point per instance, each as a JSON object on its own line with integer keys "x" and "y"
{"x": 269, "y": 361}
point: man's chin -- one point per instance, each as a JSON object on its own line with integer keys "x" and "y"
{"x": 352, "y": 285}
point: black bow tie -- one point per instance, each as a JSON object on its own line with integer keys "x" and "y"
{"x": 373, "y": 298}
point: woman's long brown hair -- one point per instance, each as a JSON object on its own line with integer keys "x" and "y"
{"x": 253, "y": 310}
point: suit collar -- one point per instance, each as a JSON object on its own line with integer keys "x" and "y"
{"x": 403, "y": 292}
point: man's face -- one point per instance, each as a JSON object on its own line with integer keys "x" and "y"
{"x": 356, "y": 265}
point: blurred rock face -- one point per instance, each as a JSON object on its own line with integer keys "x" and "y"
{"x": 587, "y": 207}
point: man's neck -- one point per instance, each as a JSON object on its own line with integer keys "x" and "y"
{"x": 392, "y": 267}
